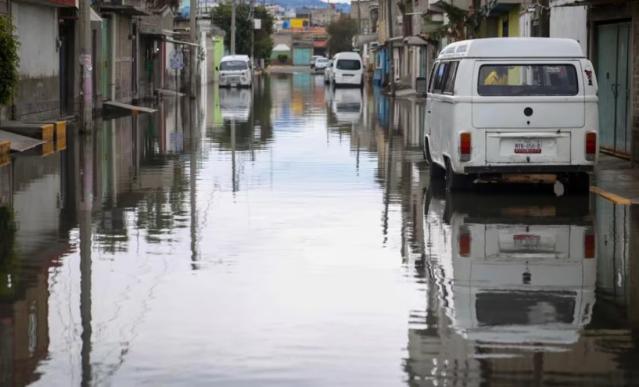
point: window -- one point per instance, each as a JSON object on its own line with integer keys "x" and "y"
{"x": 233, "y": 65}
{"x": 437, "y": 79}
{"x": 527, "y": 80}
{"x": 449, "y": 86}
{"x": 442, "y": 79}
{"x": 348, "y": 64}
{"x": 431, "y": 79}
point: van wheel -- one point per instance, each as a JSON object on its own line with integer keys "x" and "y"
{"x": 454, "y": 181}
{"x": 579, "y": 183}
{"x": 436, "y": 172}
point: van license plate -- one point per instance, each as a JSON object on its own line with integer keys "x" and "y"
{"x": 526, "y": 242}
{"x": 528, "y": 146}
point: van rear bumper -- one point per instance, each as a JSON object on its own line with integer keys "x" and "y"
{"x": 529, "y": 169}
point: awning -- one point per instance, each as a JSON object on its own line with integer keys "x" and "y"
{"x": 95, "y": 17}
{"x": 123, "y": 9}
{"x": 415, "y": 41}
{"x": 170, "y": 40}
{"x": 132, "y": 108}
{"x": 319, "y": 43}
{"x": 19, "y": 143}
{"x": 364, "y": 39}
{"x": 281, "y": 47}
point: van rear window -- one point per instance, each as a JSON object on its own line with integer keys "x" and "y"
{"x": 527, "y": 80}
{"x": 348, "y": 64}
{"x": 233, "y": 65}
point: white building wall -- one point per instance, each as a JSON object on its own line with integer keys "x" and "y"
{"x": 570, "y": 21}
{"x": 37, "y": 30}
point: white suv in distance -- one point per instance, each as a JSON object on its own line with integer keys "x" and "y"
{"x": 320, "y": 64}
{"x": 347, "y": 70}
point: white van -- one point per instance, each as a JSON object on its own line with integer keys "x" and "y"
{"x": 512, "y": 106}
{"x": 347, "y": 69}
{"x": 235, "y": 70}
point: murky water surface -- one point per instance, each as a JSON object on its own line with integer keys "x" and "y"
{"x": 290, "y": 235}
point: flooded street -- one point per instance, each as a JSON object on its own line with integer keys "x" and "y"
{"x": 290, "y": 235}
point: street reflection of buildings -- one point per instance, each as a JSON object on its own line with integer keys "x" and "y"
{"x": 32, "y": 240}
{"x": 365, "y": 117}
{"x": 618, "y": 266}
{"x": 401, "y": 168}
{"x": 510, "y": 286}
{"x": 129, "y": 162}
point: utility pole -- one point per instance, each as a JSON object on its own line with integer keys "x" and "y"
{"x": 194, "y": 49}
{"x": 232, "y": 27}
{"x": 359, "y": 17}
{"x": 252, "y": 34}
{"x": 389, "y": 10}
{"x": 86, "y": 86}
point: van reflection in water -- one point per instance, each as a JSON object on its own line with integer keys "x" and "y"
{"x": 522, "y": 270}
{"x": 235, "y": 104}
{"x": 346, "y": 104}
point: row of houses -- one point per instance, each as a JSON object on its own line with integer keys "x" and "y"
{"x": 133, "y": 44}
{"x": 608, "y": 31}
{"x": 297, "y": 46}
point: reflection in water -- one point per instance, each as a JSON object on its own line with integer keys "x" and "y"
{"x": 278, "y": 236}
{"x": 511, "y": 288}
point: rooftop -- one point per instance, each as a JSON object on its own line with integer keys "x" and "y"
{"x": 513, "y": 48}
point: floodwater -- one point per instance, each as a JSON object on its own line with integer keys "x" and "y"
{"x": 290, "y": 235}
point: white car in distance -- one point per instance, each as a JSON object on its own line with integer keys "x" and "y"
{"x": 320, "y": 64}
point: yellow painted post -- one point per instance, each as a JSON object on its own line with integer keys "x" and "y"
{"x": 47, "y": 131}
{"x": 60, "y": 135}
{"x": 49, "y": 139}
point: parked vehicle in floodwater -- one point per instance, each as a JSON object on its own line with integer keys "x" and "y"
{"x": 311, "y": 63}
{"x": 507, "y": 108}
{"x": 320, "y": 64}
{"x": 346, "y": 70}
{"x": 235, "y": 71}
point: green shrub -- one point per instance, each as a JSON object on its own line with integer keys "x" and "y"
{"x": 9, "y": 61}
{"x": 282, "y": 58}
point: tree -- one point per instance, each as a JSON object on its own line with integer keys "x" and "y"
{"x": 461, "y": 24}
{"x": 221, "y": 17}
{"x": 340, "y": 35}
{"x": 8, "y": 61}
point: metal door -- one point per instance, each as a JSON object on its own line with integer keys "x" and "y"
{"x": 613, "y": 78}
{"x": 301, "y": 56}
{"x": 105, "y": 58}
{"x": 67, "y": 37}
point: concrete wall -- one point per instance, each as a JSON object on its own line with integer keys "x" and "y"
{"x": 38, "y": 94}
{"x": 570, "y": 22}
{"x": 634, "y": 81}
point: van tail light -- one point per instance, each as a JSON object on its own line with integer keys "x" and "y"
{"x": 591, "y": 146}
{"x": 465, "y": 146}
{"x": 589, "y": 244}
{"x": 464, "y": 241}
